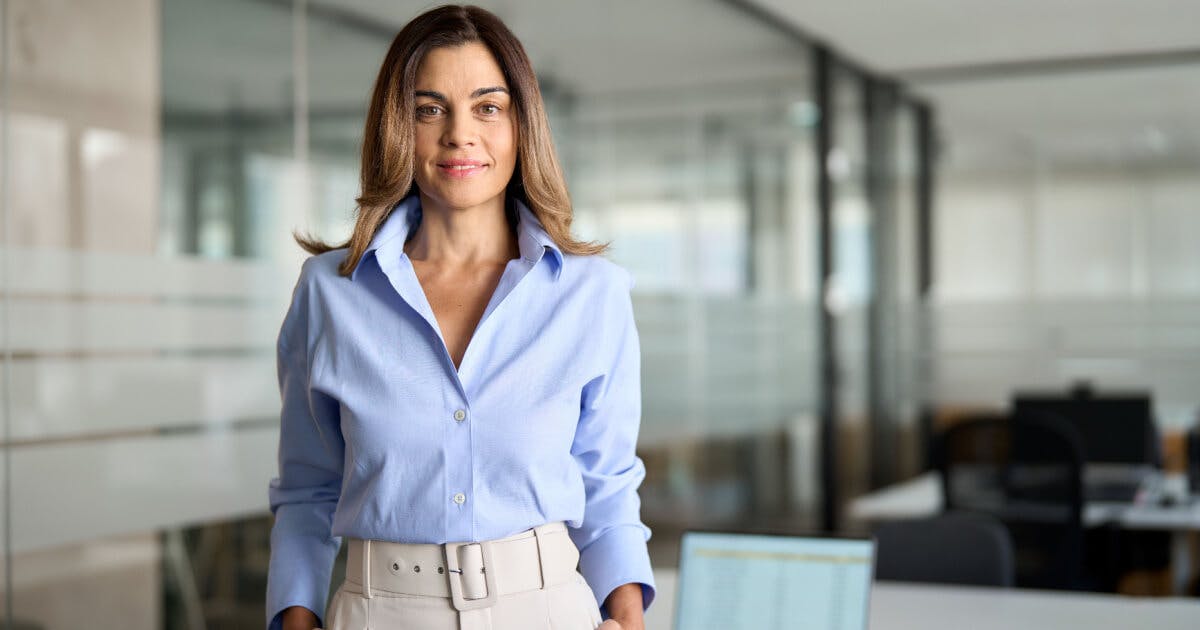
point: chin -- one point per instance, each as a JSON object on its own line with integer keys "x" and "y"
{"x": 462, "y": 195}
{"x": 459, "y": 201}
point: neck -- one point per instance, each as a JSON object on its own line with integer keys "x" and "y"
{"x": 458, "y": 237}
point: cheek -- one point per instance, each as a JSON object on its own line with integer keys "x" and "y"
{"x": 425, "y": 144}
{"x": 508, "y": 142}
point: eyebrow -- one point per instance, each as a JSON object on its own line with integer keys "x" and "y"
{"x": 476, "y": 94}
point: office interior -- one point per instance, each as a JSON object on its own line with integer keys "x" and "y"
{"x": 853, "y": 227}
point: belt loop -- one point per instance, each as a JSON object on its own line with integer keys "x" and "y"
{"x": 366, "y": 568}
{"x": 541, "y": 551}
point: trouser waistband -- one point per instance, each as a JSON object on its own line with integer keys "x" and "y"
{"x": 472, "y": 575}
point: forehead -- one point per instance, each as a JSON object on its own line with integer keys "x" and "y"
{"x": 459, "y": 70}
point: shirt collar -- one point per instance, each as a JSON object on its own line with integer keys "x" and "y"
{"x": 532, "y": 239}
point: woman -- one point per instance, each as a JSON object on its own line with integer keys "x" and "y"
{"x": 460, "y": 371}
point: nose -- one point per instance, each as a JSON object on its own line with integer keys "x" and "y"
{"x": 460, "y": 131}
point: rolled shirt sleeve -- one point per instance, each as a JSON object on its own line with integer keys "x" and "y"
{"x": 304, "y": 495}
{"x": 612, "y": 538}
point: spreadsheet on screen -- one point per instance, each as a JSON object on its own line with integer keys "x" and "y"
{"x": 734, "y": 581}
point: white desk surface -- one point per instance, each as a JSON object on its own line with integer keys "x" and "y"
{"x": 897, "y": 606}
{"x": 922, "y": 496}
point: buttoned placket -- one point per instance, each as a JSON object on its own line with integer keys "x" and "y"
{"x": 460, "y": 469}
{"x": 459, "y": 474}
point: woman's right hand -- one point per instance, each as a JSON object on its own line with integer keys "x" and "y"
{"x": 299, "y": 618}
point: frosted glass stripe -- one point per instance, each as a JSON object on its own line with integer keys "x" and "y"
{"x": 58, "y": 398}
{"x": 46, "y": 326}
{"x": 76, "y": 492}
{"x": 72, "y": 272}
{"x": 1094, "y": 312}
{"x": 724, "y": 365}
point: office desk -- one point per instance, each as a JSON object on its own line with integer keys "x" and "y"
{"x": 922, "y": 496}
{"x": 898, "y": 606}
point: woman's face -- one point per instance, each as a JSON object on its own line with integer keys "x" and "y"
{"x": 466, "y": 132}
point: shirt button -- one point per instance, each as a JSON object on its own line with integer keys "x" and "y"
{"x": 460, "y": 415}
{"x": 460, "y": 498}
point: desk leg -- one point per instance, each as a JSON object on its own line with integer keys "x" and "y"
{"x": 1181, "y": 561}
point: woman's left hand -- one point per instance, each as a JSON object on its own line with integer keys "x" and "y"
{"x": 625, "y": 606}
{"x": 612, "y": 624}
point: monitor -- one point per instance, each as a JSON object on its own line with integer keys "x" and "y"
{"x": 736, "y": 581}
{"x": 1116, "y": 429}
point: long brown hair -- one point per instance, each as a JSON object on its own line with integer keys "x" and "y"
{"x": 388, "y": 137}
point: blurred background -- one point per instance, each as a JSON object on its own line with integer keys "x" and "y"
{"x": 852, "y": 225}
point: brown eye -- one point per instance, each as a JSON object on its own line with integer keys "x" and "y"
{"x": 489, "y": 109}
{"x": 428, "y": 110}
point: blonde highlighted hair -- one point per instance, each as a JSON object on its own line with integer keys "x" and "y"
{"x": 388, "y": 136}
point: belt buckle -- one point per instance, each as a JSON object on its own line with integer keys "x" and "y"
{"x": 456, "y": 575}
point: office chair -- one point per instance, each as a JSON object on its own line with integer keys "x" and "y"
{"x": 1192, "y": 451}
{"x": 1027, "y": 471}
{"x": 952, "y": 548}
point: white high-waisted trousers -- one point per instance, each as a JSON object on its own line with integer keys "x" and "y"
{"x": 524, "y": 582}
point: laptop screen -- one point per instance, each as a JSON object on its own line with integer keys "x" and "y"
{"x": 759, "y": 582}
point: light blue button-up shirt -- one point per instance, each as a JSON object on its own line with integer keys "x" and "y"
{"x": 382, "y": 438}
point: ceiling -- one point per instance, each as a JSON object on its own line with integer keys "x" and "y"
{"x": 903, "y": 35}
{"x": 623, "y": 50}
{"x": 1068, "y": 81}
{"x": 223, "y": 52}
{"x": 604, "y": 47}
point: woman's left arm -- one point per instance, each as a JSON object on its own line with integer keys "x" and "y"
{"x": 612, "y": 538}
{"x": 625, "y": 606}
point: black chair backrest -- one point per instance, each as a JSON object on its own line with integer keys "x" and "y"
{"x": 1027, "y": 471}
{"x": 1193, "y": 459}
{"x": 951, "y": 548}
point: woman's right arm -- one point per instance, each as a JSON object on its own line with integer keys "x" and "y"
{"x": 304, "y": 495}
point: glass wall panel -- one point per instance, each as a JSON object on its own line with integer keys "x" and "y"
{"x": 149, "y": 166}
{"x": 160, "y": 153}
{"x": 851, "y": 285}
{"x": 894, "y": 316}
{"x": 1066, "y": 227}
{"x": 341, "y": 58}
{"x": 228, "y": 132}
{"x": 708, "y": 200}
{"x": 904, "y": 345}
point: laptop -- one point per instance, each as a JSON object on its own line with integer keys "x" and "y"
{"x": 738, "y": 581}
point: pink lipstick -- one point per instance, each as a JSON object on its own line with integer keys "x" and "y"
{"x": 461, "y": 167}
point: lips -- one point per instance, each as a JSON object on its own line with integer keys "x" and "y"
{"x": 461, "y": 167}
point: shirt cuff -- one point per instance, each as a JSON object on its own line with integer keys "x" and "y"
{"x": 618, "y": 557}
{"x": 302, "y": 556}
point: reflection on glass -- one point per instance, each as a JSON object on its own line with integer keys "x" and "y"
{"x": 150, "y": 156}
{"x": 903, "y": 351}
{"x": 342, "y": 58}
{"x": 154, "y": 182}
{"x": 1065, "y": 232}
{"x": 227, "y": 128}
{"x": 850, "y": 292}
{"x": 708, "y": 202}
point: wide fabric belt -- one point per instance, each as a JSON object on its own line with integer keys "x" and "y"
{"x": 472, "y": 575}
